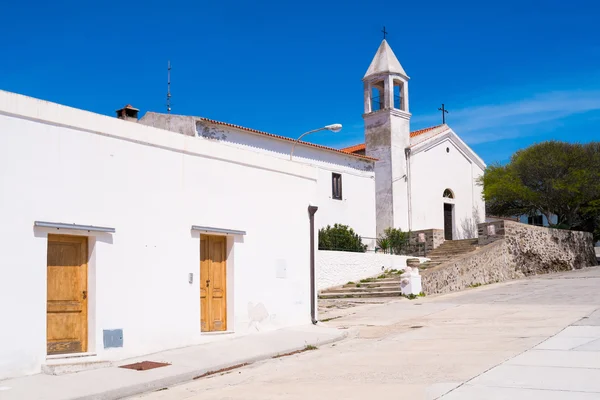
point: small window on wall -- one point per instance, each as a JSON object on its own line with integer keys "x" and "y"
{"x": 336, "y": 186}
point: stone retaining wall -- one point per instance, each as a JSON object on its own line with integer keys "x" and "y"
{"x": 513, "y": 251}
{"x": 433, "y": 238}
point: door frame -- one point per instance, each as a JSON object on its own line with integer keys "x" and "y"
{"x": 87, "y": 251}
{"x": 228, "y": 271}
{"x": 452, "y": 221}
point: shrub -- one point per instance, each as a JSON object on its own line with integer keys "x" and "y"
{"x": 393, "y": 241}
{"x": 340, "y": 237}
{"x": 383, "y": 244}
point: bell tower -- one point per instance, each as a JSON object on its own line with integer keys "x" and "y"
{"x": 387, "y": 136}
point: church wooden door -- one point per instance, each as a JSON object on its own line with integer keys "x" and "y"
{"x": 448, "y": 221}
{"x": 213, "y": 283}
{"x": 66, "y": 309}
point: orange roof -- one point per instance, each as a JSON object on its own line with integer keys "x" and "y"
{"x": 357, "y": 147}
{"x": 363, "y": 146}
{"x": 425, "y": 130}
{"x": 318, "y": 146}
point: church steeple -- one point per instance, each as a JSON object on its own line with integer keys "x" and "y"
{"x": 387, "y": 136}
{"x": 386, "y": 82}
{"x": 385, "y": 62}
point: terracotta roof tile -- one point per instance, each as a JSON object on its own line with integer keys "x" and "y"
{"x": 425, "y": 130}
{"x": 363, "y": 146}
{"x": 357, "y": 147}
{"x": 318, "y": 146}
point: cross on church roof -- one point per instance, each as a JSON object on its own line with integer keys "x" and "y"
{"x": 444, "y": 112}
{"x": 384, "y": 32}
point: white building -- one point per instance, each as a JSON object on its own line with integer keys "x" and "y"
{"x": 121, "y": 239}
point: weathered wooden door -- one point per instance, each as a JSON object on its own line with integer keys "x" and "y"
{"x": 448, "y": 221}
{"x": 66, "y": 310}
{"x": 213, "y": 283}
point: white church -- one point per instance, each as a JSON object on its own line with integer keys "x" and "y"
{"x": 126, "y": 236}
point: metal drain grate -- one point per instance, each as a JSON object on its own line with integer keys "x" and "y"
{"x": 144, "y": 365}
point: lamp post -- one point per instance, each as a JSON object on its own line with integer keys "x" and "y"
{"x": 333, "y": 128}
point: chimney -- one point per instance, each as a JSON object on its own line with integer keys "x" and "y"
{"x": 128, "y": 113}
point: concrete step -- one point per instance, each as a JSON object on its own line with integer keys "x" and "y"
{"x": 446, "y": 256}
{"x": 384, "y": 280}
{"x": 71, "y": 365}
{"x": 444, "y": 253}
{"x": 450, "y": 253}
{"x": 377, "y": 284}
{"x": 360, "y": 290}
{"x": 461, "y": 245}
{"x": 432, "y": 264}
{"x": 341, "y": 295}
{"x": 454, "y": 247}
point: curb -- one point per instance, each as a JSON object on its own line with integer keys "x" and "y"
{"x": 184, "y": 377}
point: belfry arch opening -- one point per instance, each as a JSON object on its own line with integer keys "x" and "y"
{"x": 399, "y": 97}
{"x": 377, "y": 96}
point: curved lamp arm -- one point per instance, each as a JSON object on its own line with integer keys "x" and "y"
{"x": 332, "y": 127}
{"x": 301, "y": 136}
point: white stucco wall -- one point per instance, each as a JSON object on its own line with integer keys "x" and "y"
{"x": 433, "y": 170}
{"x": 61, "y": 164}
{"x": 334, "y": 268}
{"x": 357, "y": 207}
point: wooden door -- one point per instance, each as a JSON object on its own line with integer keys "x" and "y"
{"x": 213, "y": 283}
{"x": 448, "y": 221}
{"x": 66, "y": 310}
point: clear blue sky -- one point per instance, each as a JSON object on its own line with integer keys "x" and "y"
{"x": 511, "y": 72}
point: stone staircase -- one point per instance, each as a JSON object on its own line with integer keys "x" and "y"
{"x": 386, "y": 285}
{"x": 448, "y": 250}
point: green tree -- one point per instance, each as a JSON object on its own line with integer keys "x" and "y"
{"x": 551, "y": 178}
{"x": 340, "y": 237}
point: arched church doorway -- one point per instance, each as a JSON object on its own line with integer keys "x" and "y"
{"x": 448, "y": 213}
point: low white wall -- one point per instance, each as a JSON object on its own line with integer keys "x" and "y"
{"x": 334, "y": 268}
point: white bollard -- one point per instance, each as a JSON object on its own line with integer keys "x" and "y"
{"x": 410, "y": 282}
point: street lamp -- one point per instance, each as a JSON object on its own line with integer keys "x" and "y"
{"x": 333, "y": 128}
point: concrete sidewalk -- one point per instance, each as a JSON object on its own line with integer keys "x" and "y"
{"x": 566, "y": 366}
{"x": 186, "y": 364}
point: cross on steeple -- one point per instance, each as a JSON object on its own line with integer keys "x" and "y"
{"x": 384, "y": 33}
{"x": 444, "y": 112}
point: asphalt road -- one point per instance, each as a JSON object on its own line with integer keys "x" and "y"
{"x": 497, "y": 341}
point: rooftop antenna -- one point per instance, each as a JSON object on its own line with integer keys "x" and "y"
{"x": 169, "y": 87}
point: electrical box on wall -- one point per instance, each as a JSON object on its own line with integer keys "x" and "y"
{"x": 113, "y": 338}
